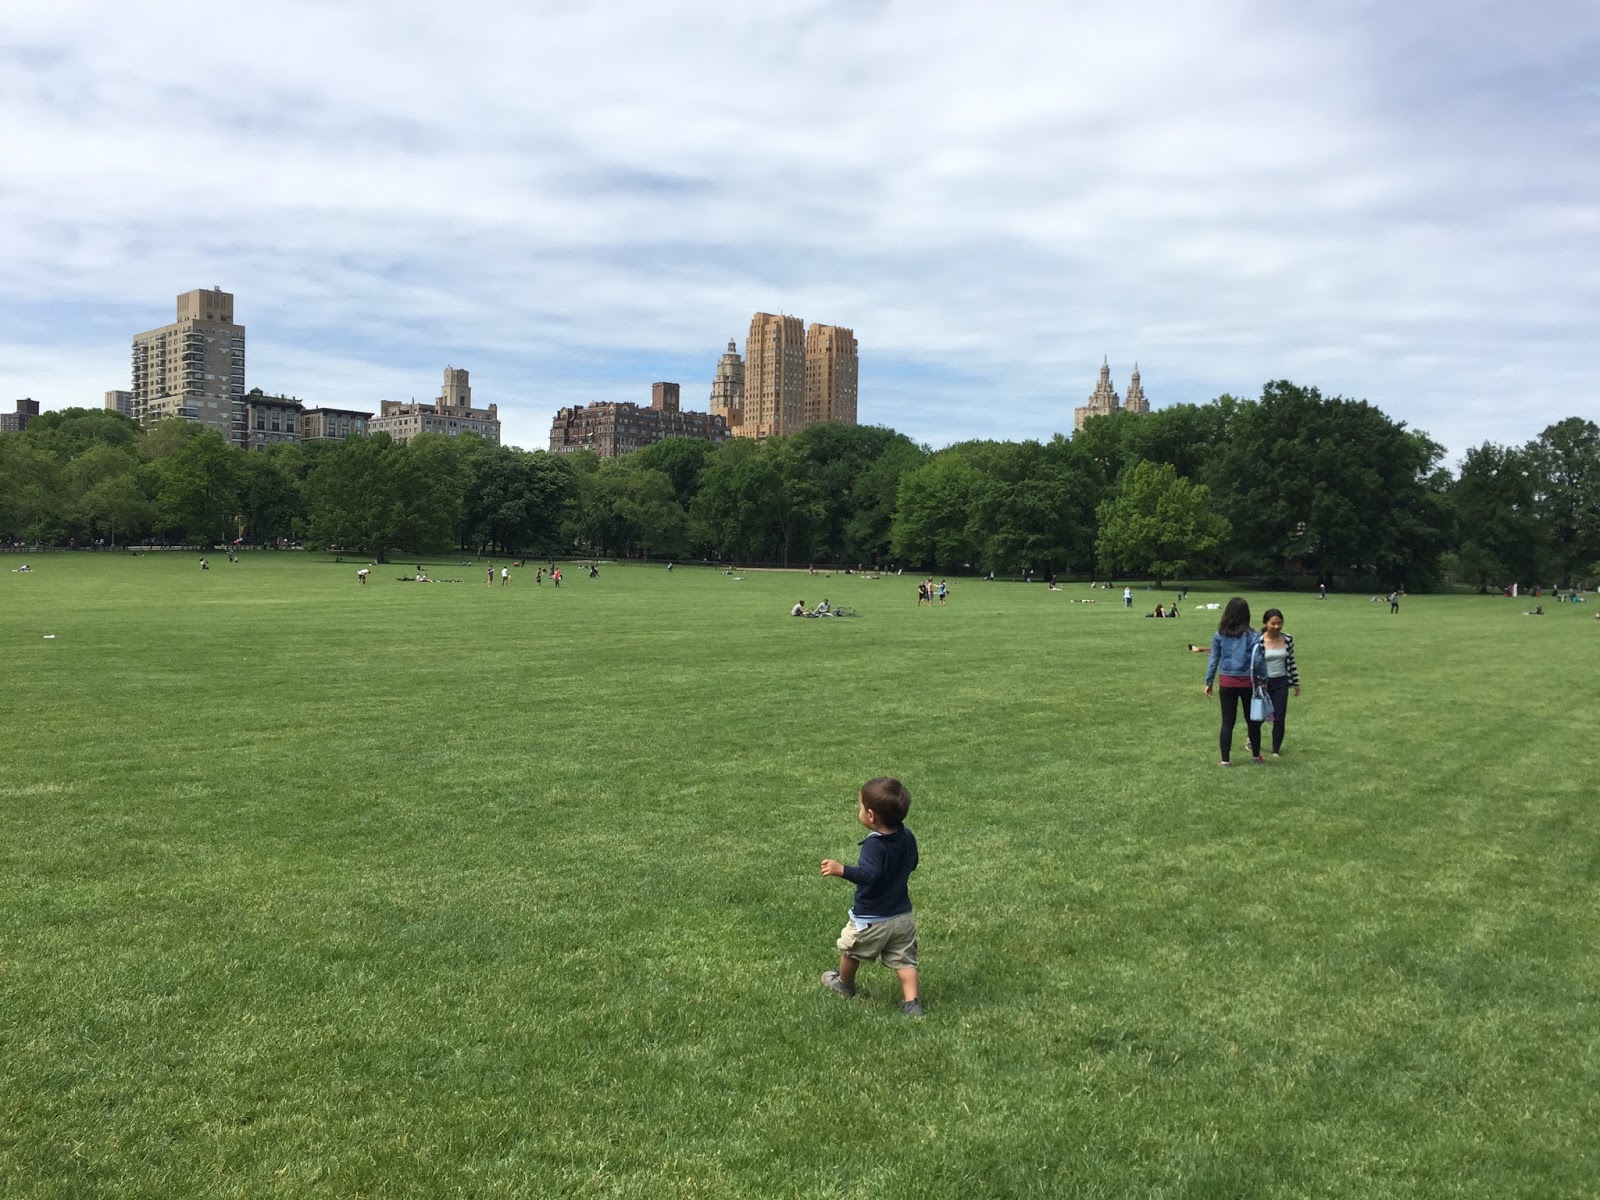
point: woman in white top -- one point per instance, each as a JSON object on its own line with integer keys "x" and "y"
{"x": 1276, "y": 661}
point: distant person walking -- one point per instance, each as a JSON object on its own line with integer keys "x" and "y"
{"x": 505, "y": 577}
{"x": 1232, "y": 658}
{"x": 944, "y": 593}
{"x": 1278, "y": 667}
{"x": 1322, "y": 591}
{"x": 1127, "y": 597}
{"x": 538, "y": 577}
{"x": 488, "y": 580}
{"x": 1394, "y": 602}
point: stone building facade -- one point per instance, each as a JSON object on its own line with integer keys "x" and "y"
{"x": 727, "y": 388}
{"x": 269, "y": 420}
{"x": 333, "y": 424}
{"x": 1104, "y": 401}
{"x": 451, "y": 414}
{"x": 120, "y": 401}
{"x": 611, "y": 429}
{"x": 194, "y": 368}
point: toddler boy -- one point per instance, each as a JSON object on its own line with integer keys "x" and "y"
{"x": 881, "y": 926}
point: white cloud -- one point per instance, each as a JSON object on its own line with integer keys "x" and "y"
{"x": 573, "y": 200}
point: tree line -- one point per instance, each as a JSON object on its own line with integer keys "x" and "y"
{"x": 1290, "y": 483}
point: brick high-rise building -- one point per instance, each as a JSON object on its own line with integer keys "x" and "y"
{"x": 727, "y": 389}
{"x": 831, "y": 370}
{"x": 774, "y": 376}
{"x": 16, "y": 422}
{"x": 610, "y": 429}
{"x": 194, "y": 368}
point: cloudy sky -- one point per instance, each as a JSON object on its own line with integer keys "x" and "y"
{"x": 1394, "y": 202}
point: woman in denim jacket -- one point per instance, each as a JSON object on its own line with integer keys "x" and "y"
{"x": 1231, "y": 666}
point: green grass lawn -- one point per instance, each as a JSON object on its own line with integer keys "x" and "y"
{"x": 310, "y": 889}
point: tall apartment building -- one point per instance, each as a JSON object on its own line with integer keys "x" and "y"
{"x": 451, "y": 413}
{"x": 831, "y": 370}
{"x": 727, "y": 388}
{"x": 774, "y": 376}
{"x": 1104, "y": 401}
{"x": 610, "y": 429}
{"x": 194, "y": 368}
{"x": 120, "y": 401}
{"x": 16, "y": 422}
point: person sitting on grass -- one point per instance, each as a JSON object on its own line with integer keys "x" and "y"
{"x": 822, "y": 609}
{"x": 1160, "y": 613}
{"x": 881, "y": 926}
{"x": 1193, "y": 649}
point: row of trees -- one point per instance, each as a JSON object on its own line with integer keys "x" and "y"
{"x": 1290, "y": 483}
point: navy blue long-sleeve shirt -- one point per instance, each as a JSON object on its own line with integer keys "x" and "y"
{"x": 881, "y": 875}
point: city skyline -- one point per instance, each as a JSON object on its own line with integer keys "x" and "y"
{"x": 1394, "y": 205}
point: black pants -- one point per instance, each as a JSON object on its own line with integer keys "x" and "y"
{"x": 1232, "y": 699}
{"x": 1278, "y": 689}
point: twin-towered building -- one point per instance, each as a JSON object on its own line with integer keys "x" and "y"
{"x": 791, "y": 377}
{"x": 1104, "y": 401}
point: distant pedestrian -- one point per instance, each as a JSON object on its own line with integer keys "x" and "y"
{"x": 362, "y": 576}
{"x": 505, "y": 577}
{"x": 1394, "y": 602}
{"x": 944, "y": 593}
{"x": 488, "y": 580}
{"x": 1127, "y": 597}
{"x": 538, "y": 578}
{"x": 1322, "y": 591}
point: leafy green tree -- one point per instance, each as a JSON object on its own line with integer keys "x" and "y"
{"x": 197, "y": 489}
{"x": 31, "y": 491}
{"x": 681, "y": 460}
{"x": 68, "y": 432}
{"x": 270, "y": 500}
{"x": 933, "y": 514}
{"x": 115, "y": 508}
{"x": 1493, "y": 498}
{"x": 738, "y": 501}
{"x": 1158, "y": 524}
{"x": 1328, "y": 484}
{"x": 374, "y": 495}
{"x": 1566, "y": 464}
{"x": 1031, "y": 509}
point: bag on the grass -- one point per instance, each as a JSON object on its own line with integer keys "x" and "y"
{"x": 1260, "y": 705}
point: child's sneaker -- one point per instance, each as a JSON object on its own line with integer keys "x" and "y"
{"x": 911, "y": 1008}
{"x": 831, "y": 981}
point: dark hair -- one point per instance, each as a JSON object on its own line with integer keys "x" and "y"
{"x": 887, "y": 799}
{"x": 1269, "y": 614}
{"x": 1235, "y": 618}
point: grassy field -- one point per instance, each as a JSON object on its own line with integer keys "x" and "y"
{"x": 310, "y": 889}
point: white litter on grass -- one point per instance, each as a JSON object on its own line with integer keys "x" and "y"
{"x": 49, "y": 635}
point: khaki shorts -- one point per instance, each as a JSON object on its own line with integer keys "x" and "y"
{"x": 894, "y": 942}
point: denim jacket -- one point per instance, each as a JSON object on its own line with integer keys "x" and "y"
{"x": 1234, "y": 656}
